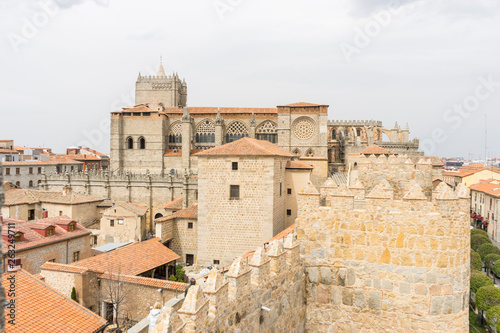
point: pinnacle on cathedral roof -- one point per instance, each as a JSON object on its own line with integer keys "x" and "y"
{"x": 186, "y": 115}
{"x": 161, "y": 71}
{"x": 252, "y": 120}
{"x": 218, "y": 118}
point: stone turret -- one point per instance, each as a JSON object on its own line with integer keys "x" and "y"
{"x": 405, "y": 133}
{"x": 395, "y": 133}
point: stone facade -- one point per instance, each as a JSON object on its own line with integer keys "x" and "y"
{"x": 123, "y": 222}
{"x": 229, "y": 226}
{"x": 167, "y": 90}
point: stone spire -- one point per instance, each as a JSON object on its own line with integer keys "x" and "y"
{"x": 252, "y": 120}
{"x": 218, "y": 118}
{"x": 161, "y": 71}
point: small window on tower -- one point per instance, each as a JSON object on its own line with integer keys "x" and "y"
{"x": 289, "y": 191}
{"x": 235, "y": 165}
{"x": 190, "y": 225}
{"x": 289, "y": 212}
{"x": 234, "y": 192}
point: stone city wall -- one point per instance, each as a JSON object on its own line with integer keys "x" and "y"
{"x": 264, "y": 295}
{"x": 385, "y": 265}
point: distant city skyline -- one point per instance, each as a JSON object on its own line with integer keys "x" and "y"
{"x": 431, "y": 64}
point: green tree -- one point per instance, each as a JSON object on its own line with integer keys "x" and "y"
{"x": 73, "y": 295}
{"x": 478, "y": 232}
{"x": 172, "y": 278}
{"x": 477, "y": 240}
{"x": 478, "y": 280}
{"x": 179, "y": 273}
{"x": 496, "y": 268}
{"x": 492, "y": 315}
{"x": 475, "y": 261}
{"x": 486, "y": 249}
{"x": 490, "y": 260}
{"x": 487, "y": 297}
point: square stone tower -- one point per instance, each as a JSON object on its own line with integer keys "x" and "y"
{"x": 166, "y": 90}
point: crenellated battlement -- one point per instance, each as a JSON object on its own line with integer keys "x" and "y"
{"x": 264, "y": 291}
{"x": 373, "y": 123}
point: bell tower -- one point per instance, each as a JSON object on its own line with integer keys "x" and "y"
{"x": 169, "y": 90}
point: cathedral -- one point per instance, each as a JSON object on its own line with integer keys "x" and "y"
{"x": 162, "y": 135}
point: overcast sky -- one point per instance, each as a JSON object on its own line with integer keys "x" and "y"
{"x": 431, "y": 63}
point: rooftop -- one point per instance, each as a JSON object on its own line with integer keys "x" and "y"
{"x": 43, "y": 309}
{"x": 176, "y": 204}
{"x": 376, "y": 150}
{"x": 298, "y": 165}
{"x": 188, "y": 213}
{"x": 33, "y": 239}
{"x": 24, "y": 196}
{"x": 490, "y": 187}
{"x": 247, "y": 147}
{"x": 133, "y": 259}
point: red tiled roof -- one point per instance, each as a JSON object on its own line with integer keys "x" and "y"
{"x": 33, "y": 239}
{"x": 247, "y": 147}
{"x": 95, "y": 152}
{"x": 188, "y": 213}
{"x": 376, "y": 150}
{"x": 132, "y": 259}
{"x": 58, "y": 267}
{"x": 224, "y": 110}
{"x": 136, "y": 209}
{"x": 298, "y": 165}
{"x": 42, "y": 163}
{"x": 176, "y": 204}
{"x": 8, "y": 151}
{"x": 301, "y": 104}
{"x": 470, "y": 170}
{"x": 22, "y": 196}
{"x": 76, "y": 157}
{"x": 283, "y": 234}
{"x": 43, "y": 309}
{"x": 487, "y": 187}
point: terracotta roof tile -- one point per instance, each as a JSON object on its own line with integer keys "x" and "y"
{"x": 247, "y": 147}
{"x": 132, "y": 259}
{"x": 33, "y": 239}
{"x": 136, "y": 209}
{"x": 42, "y": 163}
{"x": 298, "y": 165}
{"x": 376, "y": 150}
{"x": 301, "y": 104}
{"x": 487, "y": 187}
{"x": 8, "y": 151}
{"x": 283, "y": 234}
{"x": 176, "y": 204}
{"x": 187, "y": 213}
{"x": 178, "y": 152}
{"x": 223, "y": 110}
{"x": 22, "y": 196}
{"x": 43, "y": 309}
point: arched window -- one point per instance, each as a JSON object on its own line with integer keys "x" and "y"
{"x": 296, "y": 151}
{"x": 205, "y": 132}
{"x": 142, "y": 143}
{"x": 310, "y": 153}
{"x": 18, "y": 184}
{"x": 267, "y": 131}
{"x": 130, "y": 143}
{"x": 158, "y": 215}
{"x": 358, "y": 132}
{"x": 30, "y": 183}
{"x": 236, "y": 131}
{"x": 175, "y": 133}
{"x": 334, "y": 134}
